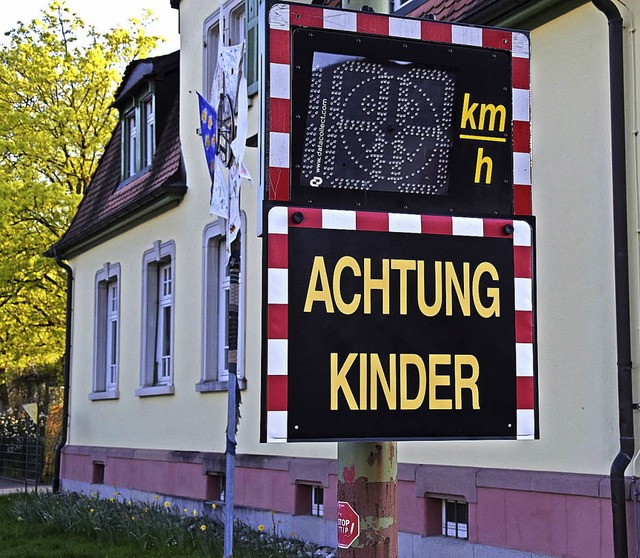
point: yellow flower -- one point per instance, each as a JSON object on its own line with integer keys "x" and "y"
{"x": 133, "y": 518}
{"x": 185, "y": 510}
{"x": 195, "y": 513}
{"x": 156, "y": 497}
{"x": 261, "y": 528}
{"x": 203, "y": 527}
{"x": 146, "y": 510}
{"x": 91, "y": 510}
{"x": 167, "y": 504}
{"x": 213, "y": 506}
{"x": 111, "y": 500}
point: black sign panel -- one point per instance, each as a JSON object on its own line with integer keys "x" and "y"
{"x": 429, "y": 123}
{"x": 404, "y": 333}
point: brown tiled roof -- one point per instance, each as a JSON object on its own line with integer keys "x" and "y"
{"x": 111, "y": 205}
{"x": 470, "y": 11}
{"x": 447, "y": 10}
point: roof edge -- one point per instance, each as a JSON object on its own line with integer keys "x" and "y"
{"x": 522, "y": 14}
{"x": 165, "y": 199}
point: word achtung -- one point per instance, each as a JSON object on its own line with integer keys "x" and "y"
{"x": 439, "y": 287}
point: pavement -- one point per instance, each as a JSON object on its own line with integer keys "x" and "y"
{"x": 9, "y": 486}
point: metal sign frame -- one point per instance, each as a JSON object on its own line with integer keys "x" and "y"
{"x": 278, "y": 155}
{"x": 513, "y": 389}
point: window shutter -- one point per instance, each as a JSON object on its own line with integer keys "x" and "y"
{"x": 251, "y": 11}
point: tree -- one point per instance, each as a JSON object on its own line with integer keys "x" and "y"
{"x": 58, "y": 77}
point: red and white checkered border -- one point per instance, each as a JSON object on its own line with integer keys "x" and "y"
{"x": 284, "y": 16}
{"x": 280, "y": 221}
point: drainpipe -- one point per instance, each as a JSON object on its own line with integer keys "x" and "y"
{"x": 66, "y": 374}
{"x": 623, "y": 320}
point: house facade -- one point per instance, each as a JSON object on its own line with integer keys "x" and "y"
{"x": 148, "y": 367}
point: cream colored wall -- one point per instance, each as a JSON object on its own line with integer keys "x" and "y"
{"x": 186, "y": 420}
{"x": 576, "y": 341}
{"x": 573, "y": 205}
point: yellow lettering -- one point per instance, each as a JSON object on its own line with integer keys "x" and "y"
{"x": 481, "y": 163}
{"x": 403, "y": 266}
{"x": 363, "y": 381}
{"x": 432, "y": 310}
{"x": 436, "y": 380}
{"x": 462, "y": 291}
{"x": 371, "y": 284}
{"x": 388, "y": 387}
{"x": 405, "y": 402}
{"x": 318, "y": 273}
{"x": 377, "y": 385}
{"x": 492, "y": 292}
{"x": 468, "y": 112}
{"x": 467, "y": 383}
{"x": 492, "y": 111}
{"x": 352, "y": 264}
{"x": 339, "y": 381}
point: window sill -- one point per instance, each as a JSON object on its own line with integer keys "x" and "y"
{"x": 150, "y": 391}
{"x": 208, "y": 386}
{"x": 102, "y": 395}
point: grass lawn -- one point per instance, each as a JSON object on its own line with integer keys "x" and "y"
{"x": 21, "y": 540}
{"x": 69, "y": 525}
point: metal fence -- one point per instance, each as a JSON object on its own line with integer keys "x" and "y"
{"x": 22, "y": 458}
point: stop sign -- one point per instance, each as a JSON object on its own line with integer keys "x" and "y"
{"x": 348, "y": 525}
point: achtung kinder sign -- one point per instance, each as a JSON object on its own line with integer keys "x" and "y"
{"x": 398, "y": 326}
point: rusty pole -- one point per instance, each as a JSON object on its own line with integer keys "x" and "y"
{"x": 368, "y": 481}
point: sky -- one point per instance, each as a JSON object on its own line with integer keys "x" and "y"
{"x": 103, "y": 15}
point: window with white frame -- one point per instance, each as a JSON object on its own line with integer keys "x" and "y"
{"x": 455, "y": 519}
{"x": 164, "y": 327}
{"x": 239, "y": 26}
{"x": 138, "y": 133}
{"x": 158, "y": 290}
{"x": 106, "y": 333}
{"x": 148, "y": 130}
{"x": 215, "y": 319}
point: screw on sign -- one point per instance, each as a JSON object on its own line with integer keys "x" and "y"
{"x": 348, "y": 525}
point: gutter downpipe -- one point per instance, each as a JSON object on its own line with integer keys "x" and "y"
{"x": 623, "y": 321}
{"x": 66, "y": 374}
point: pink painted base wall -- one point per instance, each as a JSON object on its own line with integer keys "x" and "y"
{"x": 556, "y": 524}
{"x": 552, "y": 514}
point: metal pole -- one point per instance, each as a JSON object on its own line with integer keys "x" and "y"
{"x": 232, "y": 407}
{"x": 37, "y": 467}
{"x": 26, "y": 463}
{"x": 368, "y": 481}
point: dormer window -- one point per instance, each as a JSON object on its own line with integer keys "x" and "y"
{"x": 129, "y": 144}
{"x": 148, "y": 128}
{"x": 138, "y": 134}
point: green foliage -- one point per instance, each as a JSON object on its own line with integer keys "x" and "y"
{"x": 57, "y": 80}
{"x": 156, "y": 529}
